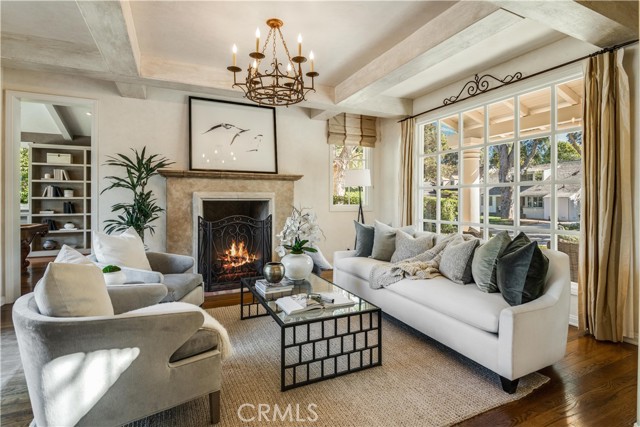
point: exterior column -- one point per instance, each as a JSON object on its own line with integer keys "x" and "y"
{"x": 471, "y": 196}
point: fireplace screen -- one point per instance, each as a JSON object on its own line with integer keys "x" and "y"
{"x": 232, "y": 248}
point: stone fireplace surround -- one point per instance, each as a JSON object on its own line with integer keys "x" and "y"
{"x": 186, "y": 191}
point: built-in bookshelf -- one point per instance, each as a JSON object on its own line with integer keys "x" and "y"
{"x": 59, "y": 194}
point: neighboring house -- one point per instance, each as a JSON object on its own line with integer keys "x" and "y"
{"x": 535, "y": 200}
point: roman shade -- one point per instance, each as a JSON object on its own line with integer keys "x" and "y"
{"x": 352, "y": 129}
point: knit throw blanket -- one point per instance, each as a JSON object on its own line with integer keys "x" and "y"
{"x": 423, "y": 266}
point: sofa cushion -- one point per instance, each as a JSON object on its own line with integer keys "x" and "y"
{"x": 364, "y": 239}
{"x": 457, "y": 258}
{"x": 522, "y": 271}
{"x": 203, "y": 340}
{"x": 124, "y": 250}
{"x": 467, "y": 304}
{"x": 72, "y": 290}
{"x": 485, "y": 260}
{"x": 359, "y": 267}
{"x": 179, "y": 285}
{"x": 408, "y": 246}
{"x": 384, "y": 240}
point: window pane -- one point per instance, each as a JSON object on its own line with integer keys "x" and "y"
{"x": 535, "y": 159}
{"x": 500, "y": 162}
{"x": 448, "y": 228}
{"x": 501, "y": 120}
{"x": 535, "y": 112}
{"x": 569, "y": 155}
{"x": 430, "y": 138}
{"x": 570, "y": 245}
{"x": 430, "y": 170}
{"x": 501, "y": 205}
{"x": 569, "y": 96}
{"x": 535, "y": 206}
{"x": 473, "y": 166}
{"x": 449, "y": 169}
{"x": 449, "y": 137}
{"x": 472, "y": 202}
{"x": 346, "y": 158}
{"x": 429, "y": 202}
{"x": 495, "y": 230}
{"x": 473, "y": 127}
{"x": 543, "y": 238}
{"x": 568, "y": 202}
{"x": 449, "y": 205}
{"x": 429, "y": 226}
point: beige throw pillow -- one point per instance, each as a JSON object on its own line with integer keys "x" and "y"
{"x": 125, "y": 250}
{"x": 73, "y": 290}
{"x": 408, "y": 246}
{"x": 69, "y": 255}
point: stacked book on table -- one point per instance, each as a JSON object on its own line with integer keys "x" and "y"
{"x": 273, "y": 291}
{"x": 322, "y": 300}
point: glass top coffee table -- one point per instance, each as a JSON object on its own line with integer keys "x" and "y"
{"x": 319, "y": 344}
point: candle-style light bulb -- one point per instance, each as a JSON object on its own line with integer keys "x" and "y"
{"x": 288, "y": 68}
{"x": 234, "y": 49}
{"x": 255, "y": 66}
{"x": 257, "y": 39}
{"x": 311, "y": 57}
{"x": 299, "y": 44}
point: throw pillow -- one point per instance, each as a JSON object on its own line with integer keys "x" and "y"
{"x": 364, "y": 239}
{"x": 485, "y": 260}
{"x": 125, "y": 250}
{"x": 456, "y": 260}
{"x": 384, "y": 240}
{"x": 408, "y": 246}
{"x": 521, "y": 271}
{"x": 69, "y": 255}
{"x": 73, "y": 290}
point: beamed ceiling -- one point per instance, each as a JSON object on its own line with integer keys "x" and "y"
{"x": 373, "y": 57}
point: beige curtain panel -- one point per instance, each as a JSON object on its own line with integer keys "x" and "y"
{"x": 353, "y": 129}
{"x": 606, "y": 234}
{"x": 406, "y": 171}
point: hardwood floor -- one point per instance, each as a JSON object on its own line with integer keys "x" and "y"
{"x": 594, "y": 385}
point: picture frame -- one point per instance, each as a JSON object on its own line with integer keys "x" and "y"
{"x": 232, "y": 137}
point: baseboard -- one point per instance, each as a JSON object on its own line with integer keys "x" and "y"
{"x": 1, "y": 301}
{"x": 633, "y": 341}
{"x": 573, "y": 320}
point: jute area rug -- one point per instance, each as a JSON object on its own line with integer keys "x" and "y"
{"x": 420, "y": 383}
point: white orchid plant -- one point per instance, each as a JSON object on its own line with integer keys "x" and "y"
{"x": 301, "y": 230}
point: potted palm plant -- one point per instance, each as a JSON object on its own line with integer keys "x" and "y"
{"x": 143, "y": 209}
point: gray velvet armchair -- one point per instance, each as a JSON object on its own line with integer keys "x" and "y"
{"x": 172, "y": 270}
{"x": 111, "y": 370}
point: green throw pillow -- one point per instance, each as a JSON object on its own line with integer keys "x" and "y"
{"x": 384, "y": 240}
{"x": 364, "y": 239}
{"x": 522, "y": 271}
{"x": 485, "y": 261}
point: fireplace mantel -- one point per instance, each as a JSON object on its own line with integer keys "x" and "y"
{"x": 255, "y": 176}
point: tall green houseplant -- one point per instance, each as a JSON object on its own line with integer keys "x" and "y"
{"x": 143, "y": 210}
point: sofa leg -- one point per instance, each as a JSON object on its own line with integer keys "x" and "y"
{"x": 214, "y": 406}
{"x": 509, "y": 386}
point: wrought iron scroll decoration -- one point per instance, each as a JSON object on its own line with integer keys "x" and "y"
{"x": 480, "y": 84}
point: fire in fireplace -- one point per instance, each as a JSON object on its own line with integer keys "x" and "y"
{"x": 231, "y": 248}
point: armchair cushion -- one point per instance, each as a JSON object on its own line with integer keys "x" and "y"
{"x": 73, "y": 290}
{"x": 180, "y": 285}
{"x": 131, "y": 297}
{"x": 170, "y": 263}
{"x": 203, "y": 340}
{"x": 125, "y": 250}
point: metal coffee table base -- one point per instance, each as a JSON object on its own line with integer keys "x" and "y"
{"x": 317, "y": 350}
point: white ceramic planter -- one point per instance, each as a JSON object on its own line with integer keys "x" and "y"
{"x": 297, "y": 266}
{"x": 115, "y": 278}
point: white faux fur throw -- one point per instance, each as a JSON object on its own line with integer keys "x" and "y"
{"x": 224, "y": 344}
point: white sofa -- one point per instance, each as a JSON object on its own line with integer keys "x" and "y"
{"x": 510, "y": 341}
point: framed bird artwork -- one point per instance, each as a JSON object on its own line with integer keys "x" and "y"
{"x": 231, "y": 136}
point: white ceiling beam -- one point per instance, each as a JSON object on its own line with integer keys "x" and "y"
{"x": 111, "y": 26}
{"x": 132, "y": 90}
{"x": 316, "y": 114}
{"x": 602, "y": 24}
{"x": 456, "y": 29}
{"x": 59, "y": 122}
{"x": 475, "y": 116}
{"x": 568, "y": 94}
{"x": 39, "y": 50}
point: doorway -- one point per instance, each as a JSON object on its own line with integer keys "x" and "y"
{"x": 50, "y": 177}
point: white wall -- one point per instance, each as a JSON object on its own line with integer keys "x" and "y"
{"x": 160, "y": 122}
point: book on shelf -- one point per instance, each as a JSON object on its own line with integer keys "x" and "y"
{"x": 52, "y": 191}
{"x": 47, "y": 211}
{"x": 298, "y": 304}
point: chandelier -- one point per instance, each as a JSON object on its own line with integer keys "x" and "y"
{"x": 274, "y": 86}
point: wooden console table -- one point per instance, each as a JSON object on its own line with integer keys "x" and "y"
{"x": 27, "y": 233}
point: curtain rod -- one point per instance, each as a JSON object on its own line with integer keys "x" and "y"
{"x": 573, "y": 61}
